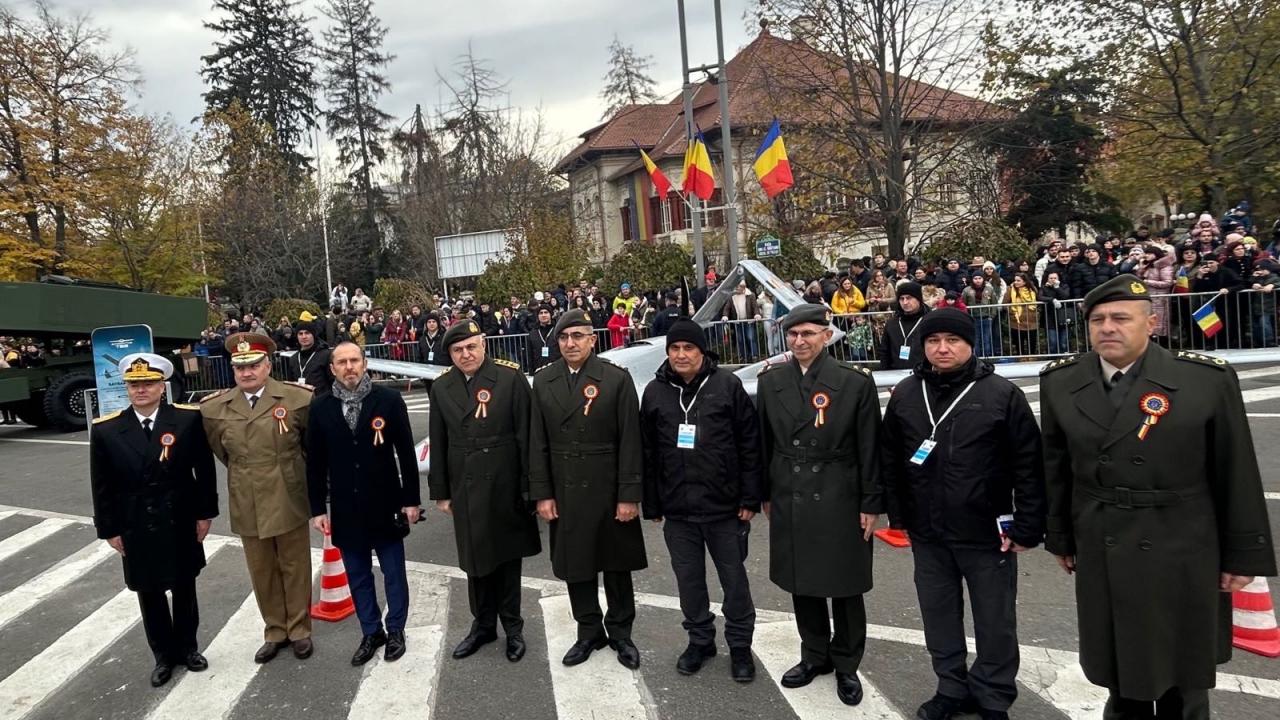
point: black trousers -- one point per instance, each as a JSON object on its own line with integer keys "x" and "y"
{"x": 497, "y": 596}
{"x": 585, "y": 603}
{"x": 992, "y": 578}
{"x": 818, "y": 646}
{"x": 171, "y": 636}
{"x": 726, "y": 541}
{"x": 1176, "y": 704}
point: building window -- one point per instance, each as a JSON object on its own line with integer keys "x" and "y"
{"x": 626, "y": 221}
{"x": 949, "y": 191}
{"x": 665, "y": 224}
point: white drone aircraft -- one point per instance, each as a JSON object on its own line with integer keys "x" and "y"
{"x": 643, "y": 358}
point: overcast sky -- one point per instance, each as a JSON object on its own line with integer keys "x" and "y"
{"x": 553, "y": 52}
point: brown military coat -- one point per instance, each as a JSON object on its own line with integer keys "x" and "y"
{"x": 266, "y": 467}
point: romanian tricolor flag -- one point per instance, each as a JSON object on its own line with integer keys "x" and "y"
{"x": 1182, "y": 283}
{"x": 771, "y": 163}
{"x": 698, "y": 176}
{"x": 660, "y": 181}
{"x": 1207, "y": 319}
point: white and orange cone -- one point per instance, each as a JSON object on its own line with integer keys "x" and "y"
{"x": 335, "y": 594}
{"x": 1253, "y": 620}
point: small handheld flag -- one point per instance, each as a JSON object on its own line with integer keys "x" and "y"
{"x": 1207, "y": 319}
{"x": 771, "y": 164}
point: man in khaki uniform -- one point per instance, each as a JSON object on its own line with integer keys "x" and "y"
{"x": 258, "y": 430}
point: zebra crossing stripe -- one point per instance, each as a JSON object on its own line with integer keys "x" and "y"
{"x": 20, "y": 541}
{"x": 382, "y": 690}
{"x": 778, "y": 647}
{"x": 26, "y": 596}
{"x": 231, "y": 666}
{"x": 598, "y": 688}
{"x": 7, "y": 514}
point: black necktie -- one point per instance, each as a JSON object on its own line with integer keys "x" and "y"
{"x": 146, "y": 427}
{"x": 1115, "y": 379}
{"x": 253, "y": 401}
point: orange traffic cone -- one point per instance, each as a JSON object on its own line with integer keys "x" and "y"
{"x": 896, "y": 538}
{"x": 1253, "y": 620}
{"x": 335, "y": 594}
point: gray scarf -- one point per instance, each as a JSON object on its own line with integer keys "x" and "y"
{"x": 351, "y": 399}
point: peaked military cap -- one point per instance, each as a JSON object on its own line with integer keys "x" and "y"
{"x": 144, "y": 367}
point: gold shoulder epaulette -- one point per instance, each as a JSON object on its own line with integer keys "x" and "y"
{"x": 1059, "y": 363}
{"x": 301, "y": 385}
{"x": 108, "y": 416}
{"x": 213, "y": 395}
{"x": 544, "y": 367}
{"x": 1200, "y": 359}
{"x": 506, "y": 363}
{"x": 186, "y": 406}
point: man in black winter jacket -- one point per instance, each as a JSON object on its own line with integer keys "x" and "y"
{"x": 1090, "y": 273}
{"x": 311, "y": 363}
{"x": 702, "y": 476}
{"x": 900, "y": 345}
{"x": 961, "y": 463}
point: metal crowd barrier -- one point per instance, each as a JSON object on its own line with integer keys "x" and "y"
{"x": 1005, "y": 333}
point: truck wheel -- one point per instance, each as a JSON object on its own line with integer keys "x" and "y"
{"x": 64, "y": 401}
{"x": 31, "y": 411}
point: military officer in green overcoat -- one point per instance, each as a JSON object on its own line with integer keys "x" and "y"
{"x": 479, "y": 425}
{"x": 820, "y": 422}
{"x": 585, "y": 465}
{"x": 1155, "y": 504}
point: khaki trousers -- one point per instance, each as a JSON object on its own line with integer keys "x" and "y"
{"x": 280, "y": 570}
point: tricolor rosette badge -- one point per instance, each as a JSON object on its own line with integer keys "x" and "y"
{"x": 166, "y": 441}
{"x": 590, "y": 392}
{"x": 281, "y": 415}
{"x": 378, "y": 425}
{"x": 821, "y": 401}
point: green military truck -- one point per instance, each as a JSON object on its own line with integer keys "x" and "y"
{"x": 60, "y": 313}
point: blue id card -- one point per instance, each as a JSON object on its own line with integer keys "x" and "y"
{"x": 922, "y": 452}
{"x": 685, "y": 436}
{"x": 904, "y": 352}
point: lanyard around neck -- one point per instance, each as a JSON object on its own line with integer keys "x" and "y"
{"x": 907, "y": 335}
{"x": 935, "y": 423}
{"x": 680, "y": 397}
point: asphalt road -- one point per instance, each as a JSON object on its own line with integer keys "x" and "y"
{"x": 71, "y": 647}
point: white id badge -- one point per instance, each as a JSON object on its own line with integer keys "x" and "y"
{"x": 685, "y": 435}
{"x": 904, "y": 352}
{"x": 546, "y": 351}
{"x": 431, "y": 356}
{"x": 922, "y": 452}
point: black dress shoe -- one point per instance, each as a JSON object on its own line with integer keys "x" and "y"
{"x": 395, "y": 646}
{"x": 803, "y": 673}
{"x": 742, "y": 667}
{"x": 195, "y": 662}
{"x": 303, "y": 648}
{"x": 944, "y": 707}
{"x": 161, "y": 674}
{"x": 268, "y": 651}
{"x": 848, "y": 688}
{"x": 628, "y": 655}
{"x": 474, "y": 640}
{"x": 691, "y": 660}
{"x": 581, "y": 650}
{"x": 515, "y": 647}
{"x": 369, "y": 645}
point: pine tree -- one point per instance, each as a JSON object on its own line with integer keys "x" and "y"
{"x": 628, "y": 81}
{"x": 264, "y": 58}
{"x": 353, "y": 59}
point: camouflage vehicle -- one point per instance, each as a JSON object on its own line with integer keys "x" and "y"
{"x": 60, "y": 313}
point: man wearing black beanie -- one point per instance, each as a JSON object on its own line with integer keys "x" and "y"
{"x": 961, "y": 465}
{"x": 702, "y": 479}
{"x": 900, "y": 344}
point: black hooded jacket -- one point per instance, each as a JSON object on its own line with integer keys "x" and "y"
{"x": 988, "y": 460}
{"x": 722, "y": 473}
{"x": 900, "y": 331}
{"x": 312, "y": 366}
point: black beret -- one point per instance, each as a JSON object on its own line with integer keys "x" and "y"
{"x": 572, "y": 318}
{"x": 807, "y": 313}
{"x": 1120, "y": 287}
{"x": 460, "y": 331}
{"x": 948, "y": 320}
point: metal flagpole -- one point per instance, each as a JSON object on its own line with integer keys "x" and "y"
{"x": 730, "y": 199}
{"x": 324, "y": 219}
{"x": 693, "y": 200}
